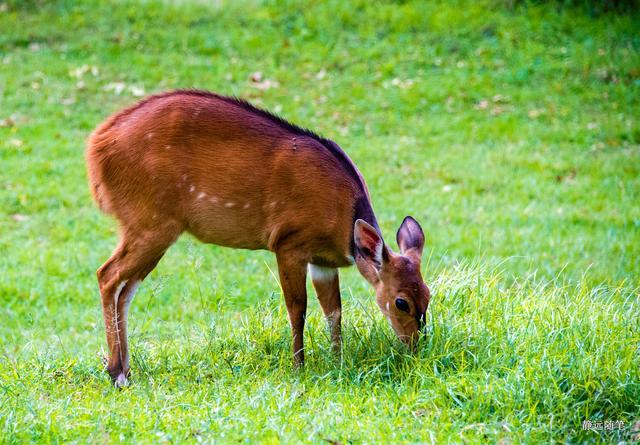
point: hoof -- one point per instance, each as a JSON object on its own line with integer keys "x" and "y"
{"x": 121, "y": 381}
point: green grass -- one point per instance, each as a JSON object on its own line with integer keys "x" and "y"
{"x": 511, "y": 134}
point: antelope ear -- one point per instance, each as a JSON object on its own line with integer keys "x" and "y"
{"x": 369, "y": 244}
{"x": 410, "y": 236}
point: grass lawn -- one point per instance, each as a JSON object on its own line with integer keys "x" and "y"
{"x": 511, "y": 134}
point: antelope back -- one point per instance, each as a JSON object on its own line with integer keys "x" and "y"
{"x": 227, "y": 172}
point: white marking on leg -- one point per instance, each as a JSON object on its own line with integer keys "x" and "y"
{"x": 319, "y": 273}
{"x": 128, "y": 298}
{"x": 116, "y": 297}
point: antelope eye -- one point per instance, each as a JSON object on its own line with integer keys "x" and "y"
{"x": 402, "y": 304}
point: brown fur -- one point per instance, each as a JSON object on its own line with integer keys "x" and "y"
{"x": 231, "y": 175}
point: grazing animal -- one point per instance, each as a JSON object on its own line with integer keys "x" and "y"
{"x": 235, "y": 175}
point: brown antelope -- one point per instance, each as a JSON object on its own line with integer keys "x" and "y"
{"x": 238, "y": 176}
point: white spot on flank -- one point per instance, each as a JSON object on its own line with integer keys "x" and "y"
{"x": 201, "y": 195}
{"x": 192, "y": 188}
{"x": 273, "y": 204}
{"x": 319, "y": 273}
{"x": 246, "y": 206}
{"x": 213, "y": 200}
{"x": 168, "y": 147}
{"x": 229, "y": 204}
{"x": 149, "y": 135}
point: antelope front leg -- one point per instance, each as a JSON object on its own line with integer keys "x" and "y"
{"x": 327, "y": 286}
{"x": 293, "y": 277}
